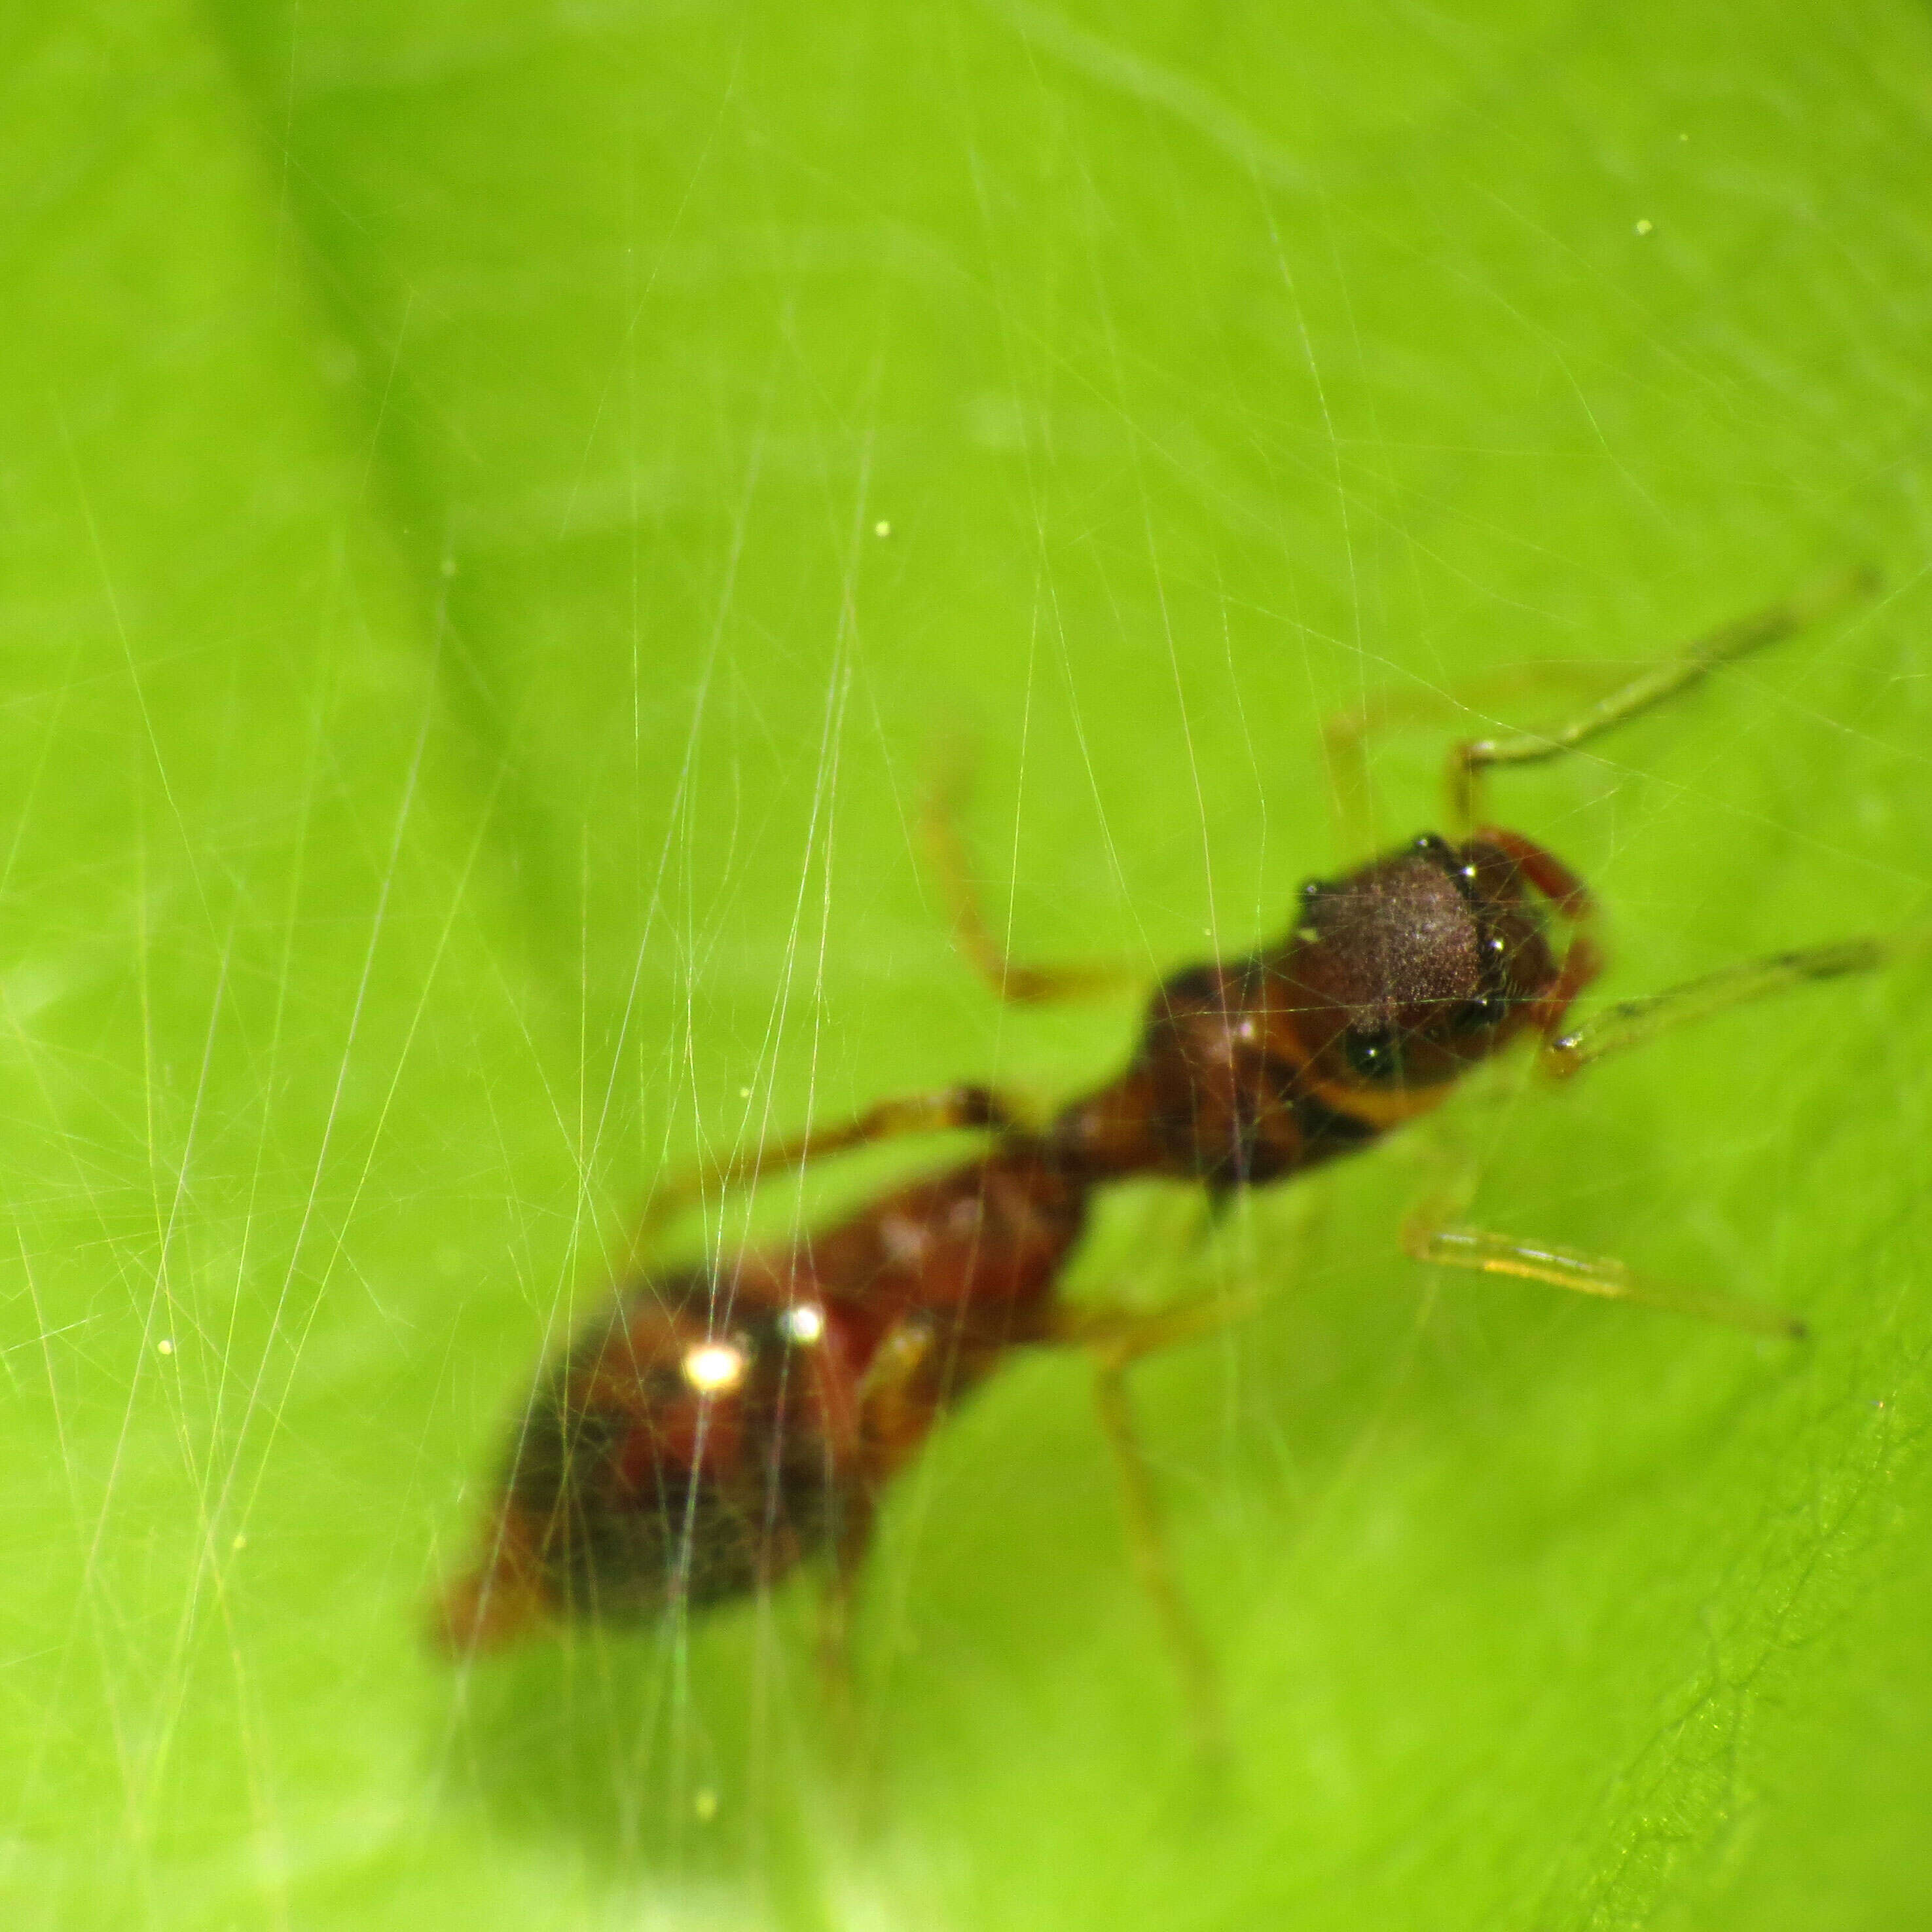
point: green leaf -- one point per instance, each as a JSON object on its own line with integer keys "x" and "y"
{"x": 505, "y": 506}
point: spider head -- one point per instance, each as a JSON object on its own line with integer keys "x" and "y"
{"x": 1407, "y": 972}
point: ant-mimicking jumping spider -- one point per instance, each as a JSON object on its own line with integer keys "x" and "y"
{"x": 715, "y": 1426}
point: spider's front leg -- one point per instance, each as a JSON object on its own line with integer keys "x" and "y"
{"x": 1631, "y": 1023}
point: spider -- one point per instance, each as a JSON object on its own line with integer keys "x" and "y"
{"x": 713, "y": 1428}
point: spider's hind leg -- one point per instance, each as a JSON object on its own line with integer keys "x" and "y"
{"x": 944, "y": 1109}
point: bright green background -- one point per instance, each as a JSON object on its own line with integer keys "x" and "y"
{"x": 460, "y": 735}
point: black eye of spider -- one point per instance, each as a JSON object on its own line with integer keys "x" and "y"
{"x": 1476, "y": 1015}
{"x": 1374, "y": 1057}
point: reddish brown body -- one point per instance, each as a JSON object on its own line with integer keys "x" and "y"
{"x": 713, "y": 1430}
{"x": 1394, "y": 982}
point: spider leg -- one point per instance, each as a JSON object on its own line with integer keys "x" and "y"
{"x": 1600, "y": 1275}
{"x": 1470, "y": 760}
{"x": 1433, "y": 1233}
{"x": 1355, "y": 817}
{"x": 947, "y": 853}
{"x": 949, "y": 1108}
{"x": 858, "y": 1512}
{"x": 1633, "y": 1023}
{"x": 1119, "y": 1338}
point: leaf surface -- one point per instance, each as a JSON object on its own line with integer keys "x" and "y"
{"x": 507, "y": 507}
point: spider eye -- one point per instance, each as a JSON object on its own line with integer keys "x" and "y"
{"x": 1478, "y": 1015}
{"x": 1374, "y": 1057}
